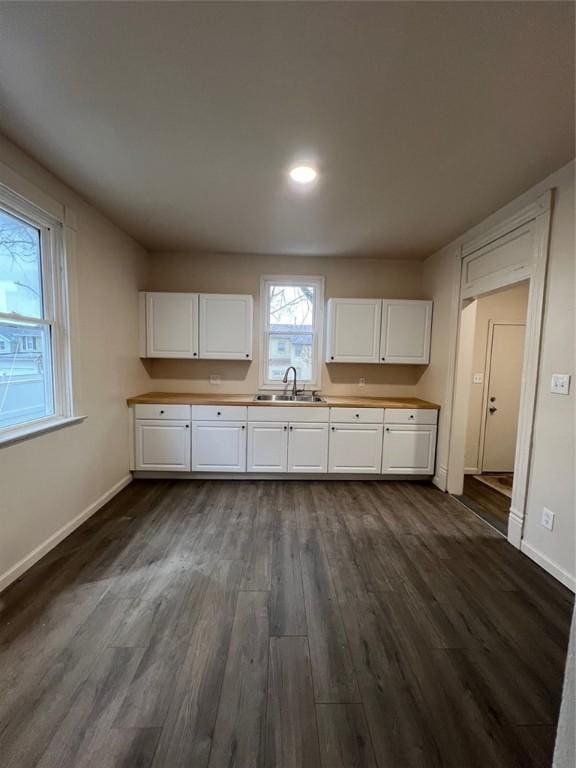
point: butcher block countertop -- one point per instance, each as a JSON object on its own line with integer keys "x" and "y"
{"x": 187, "y": 398}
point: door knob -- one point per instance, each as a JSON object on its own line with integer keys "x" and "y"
{"x": 492, "y": 409}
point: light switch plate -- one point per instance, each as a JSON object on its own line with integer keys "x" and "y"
{"x": 478, "y": 378}
{"x": 560, "y": 384}
{"x": 547, "y": 518}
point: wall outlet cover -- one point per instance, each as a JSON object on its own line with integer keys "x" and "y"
{"x": 215, "y": 378}
{"x": 547, "y": 518}
{"x": 478, "y": 378}
{"x": 560, "y": 384}
{"x": 361, "y": 382}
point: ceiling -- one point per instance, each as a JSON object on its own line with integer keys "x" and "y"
{"x": 179, "y": 120}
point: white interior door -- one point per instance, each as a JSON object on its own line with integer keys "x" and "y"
{"x": 267, "y": 446}
{"x": 163, "y": 446}
{"x": 308, "y": 448}
{"x": 353, "y": 330}
{"x": 409, "y": 449}
{"x": 505, "y": 358}
{"x": 218, "y": 446}
{"x": 172, "y": 325}
{"x": 406, "y": 327}
{"x": 226, "y": 327}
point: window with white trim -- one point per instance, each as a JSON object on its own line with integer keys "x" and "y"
{"x": 291, "y": 320}
{"x": 35, "y": 388}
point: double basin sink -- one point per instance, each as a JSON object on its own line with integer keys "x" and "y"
{"x": 290, "y": 398}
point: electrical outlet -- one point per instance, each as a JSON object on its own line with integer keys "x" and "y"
{"x": 361, "y": 382}
{"x": 478, "y": 378}
{"x": 560, "y": 384}
{"x": 215, "y": 378}
{"x": 547, "y": 519}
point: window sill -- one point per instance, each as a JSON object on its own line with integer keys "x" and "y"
{"x": 27, "y": 431}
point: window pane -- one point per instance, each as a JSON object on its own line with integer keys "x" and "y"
{"x": 20, "y": 267}
{"x": 290, "y": 349}
{"x": 26, "y": 391}
{"x": 291, "y": 308}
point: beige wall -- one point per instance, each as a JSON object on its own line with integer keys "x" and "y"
{"x": 507, "y": 306}
{"x": 47, "y": 481}
{"x": 551, "y": 480}
{"x": 364, "y": 278}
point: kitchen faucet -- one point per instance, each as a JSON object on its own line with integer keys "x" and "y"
{"x": 285, "y": 379}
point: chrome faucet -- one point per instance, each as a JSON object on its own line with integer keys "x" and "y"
{"x": 285, "y": 379}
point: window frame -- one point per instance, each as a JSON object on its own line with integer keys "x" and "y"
{"x": 318, "y": 282}
{"x": 55, "y": 315}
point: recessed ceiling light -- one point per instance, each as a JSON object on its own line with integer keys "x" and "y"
{"x": 303, "y": 174}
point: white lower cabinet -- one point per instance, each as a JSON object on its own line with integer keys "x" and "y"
{"x": 409, "y": 449}
{"x": 162, "y": 445}
{"x": 307, "y": 447}
{"x": 355, "y": 448}
{"x": 218, "y": 446}
{"x": 267, "y": 446}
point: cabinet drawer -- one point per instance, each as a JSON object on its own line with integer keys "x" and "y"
{"x": 219, "y": 412}
{"x": 357, "y": 415}
{"x": 288, "y": 413}
{"x": 411, "y": 416}
{"x": 162, "y": 412}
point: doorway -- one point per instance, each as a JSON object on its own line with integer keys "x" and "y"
{"x": 497, "y": 335}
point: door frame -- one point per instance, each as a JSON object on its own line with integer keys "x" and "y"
{"x": 485, "y": 397}
{"x": 537, "y": 216}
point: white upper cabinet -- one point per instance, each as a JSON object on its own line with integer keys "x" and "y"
{"x": 171, "y": 325}
{"x": 192, "y": 325}
{"x": 378, "y": 331}
{"x": 353, "y": 330}
{"x": 225, "y": 327}
{"x": 406, "y": 327}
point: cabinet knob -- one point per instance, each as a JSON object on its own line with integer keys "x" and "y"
{"x": 291, "y": 428}
{"x": 247, "y": 355}
{"x": 194, "y": 354}
{"x": 333, "y": 428}
{"x": 243, "y": 427}
{"x": 383, "y": 358}
{"x": 161, "y": 411}
{"x": 187, "y": 426}
{"x": 387, "y": 429}
{"x": 332, "y": 357}
{"x": 218, "y": 413}
{"x": 284, "y": 428}
{"x": 411, "y": 416}
{"x": 357, "y": 415}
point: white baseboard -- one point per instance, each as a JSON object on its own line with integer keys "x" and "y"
{"x": 471, "y": 471}
{"x": 28, "y": 561}
{"x": 440, "y": 479}
{"x": 544, "y": 562}
{"x": 515, "y": 525}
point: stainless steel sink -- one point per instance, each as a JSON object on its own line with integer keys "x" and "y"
{"x": 290, "y": 398}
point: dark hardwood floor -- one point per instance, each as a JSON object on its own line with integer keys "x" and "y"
{"x": 492, "y": 506}
{"x": 212, "y": 624}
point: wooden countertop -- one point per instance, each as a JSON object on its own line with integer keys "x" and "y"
{"x": 188, "y": 398}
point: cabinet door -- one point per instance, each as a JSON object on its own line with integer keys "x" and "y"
{"x": 353, "y": 330}
{"x": 267, "y": 447}
{"x": 163, "y": 445}
{"x": 172, "y": 325}
{"x": 218, "y": 446}
{"x": 355, "y": 448}
{"x": 406, "y": 329}
{"x": 308, "y": 448}
{"x": 409, "y": 449}
{"x": 225, "y": 327}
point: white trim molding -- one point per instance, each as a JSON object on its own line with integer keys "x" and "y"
{"x": 553, "y": 569}
{"x": 440, "y": 479}
{"x": 29, "y": 560}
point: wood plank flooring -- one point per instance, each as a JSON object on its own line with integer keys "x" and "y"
{"x": 492, "y": 506}
{"x": 267, "y": 624}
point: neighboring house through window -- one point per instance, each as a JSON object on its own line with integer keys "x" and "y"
{"x": 292, "y": 312}
{"x": 34, "y": 351}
